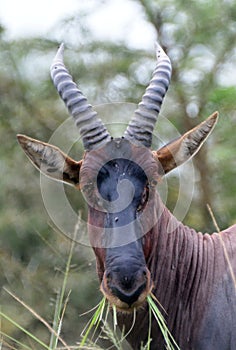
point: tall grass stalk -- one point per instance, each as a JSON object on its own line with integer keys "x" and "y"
{"x": 36, "y": 315}
{"x": 58, "y": 315}
{"x": 17, "y": 325}
{"x": 60, "y": 308}
{"x": 6, "y": 336}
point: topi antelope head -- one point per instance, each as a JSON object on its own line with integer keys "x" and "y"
{"x": 118, "y": 178}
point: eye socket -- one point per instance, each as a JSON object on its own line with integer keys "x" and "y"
{"x": 144, "y": 198}
{"x": 153, "y": 183}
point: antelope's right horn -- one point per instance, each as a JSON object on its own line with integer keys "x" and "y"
{"x": 140, "y": 128}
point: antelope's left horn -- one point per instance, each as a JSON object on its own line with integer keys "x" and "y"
{"x": 141, "y": 126}
{"x": 93, "y": 131}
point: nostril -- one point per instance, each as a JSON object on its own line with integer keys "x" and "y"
{"x": 143, "y": 274}
{"x": 108, "y": 275}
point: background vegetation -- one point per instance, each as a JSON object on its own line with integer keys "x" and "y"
{"x": 200, "y": 39}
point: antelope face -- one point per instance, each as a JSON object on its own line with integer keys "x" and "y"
{"x": 126, "y": 280}
{"x": 115, "y": 181}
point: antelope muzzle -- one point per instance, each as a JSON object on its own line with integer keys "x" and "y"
{"x": 126, "y": 280}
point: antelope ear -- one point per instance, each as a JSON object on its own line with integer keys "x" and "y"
{"x": 185, "y": 147}
{"x": 50, "y": 160}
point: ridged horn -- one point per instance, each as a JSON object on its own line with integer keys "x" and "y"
{"x": 93, "y": 131}
{"x": 140, "y": 128}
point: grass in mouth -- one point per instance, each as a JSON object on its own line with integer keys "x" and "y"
{"x": 97, "y": 319}
{"x": 154, "y": 310}
{"x": 110, "y": 332}
{"x": 94, "y": 321}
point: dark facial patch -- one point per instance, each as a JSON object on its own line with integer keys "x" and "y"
{"x": 117, "y": 183}
{"x": 122, "y": 177}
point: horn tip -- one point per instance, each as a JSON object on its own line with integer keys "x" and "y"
{"x": 159, "y": 50}
{"x": 213, "y": 118}
{"x": 215, "y": 115}
{"x": 59, "y": 56}
{"x": 61, "y": 48}
{"x": 23, "y": 140}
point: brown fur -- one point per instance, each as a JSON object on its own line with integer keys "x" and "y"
{"x": 188, "y": 270}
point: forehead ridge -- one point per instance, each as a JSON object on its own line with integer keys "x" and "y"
{"x": 119, "y": 148}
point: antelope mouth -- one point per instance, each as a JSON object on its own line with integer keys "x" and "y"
{"x": 126, "y": 300}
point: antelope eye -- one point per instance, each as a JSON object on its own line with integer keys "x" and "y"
{"x": 153, "y": 183}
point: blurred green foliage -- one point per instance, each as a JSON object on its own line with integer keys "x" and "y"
{"x": 200, "y": 39}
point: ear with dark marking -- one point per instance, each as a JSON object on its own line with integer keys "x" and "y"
{"x": 50, "y": 160}
{"x": 185, "y": 147}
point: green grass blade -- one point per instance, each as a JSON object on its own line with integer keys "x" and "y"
{"x": 149, "y": 329}
{"x": 113, "y": 337}
{"x": 104, "y": 321}
{"x": 4, "y": 335}
{"x": 57, "y": 321}
{"x": 114, "y": 317}
{"x": 107, "y": 313}
{"x": 100, "y": 317}
{"x": 37, "y": 316}
{"x": 24, "y": 330}
{"x": 132, "y": 326}
{"x": 102, "y": 308}
{"x": 169, "y": 339}
{"x": 95, "y": 320}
